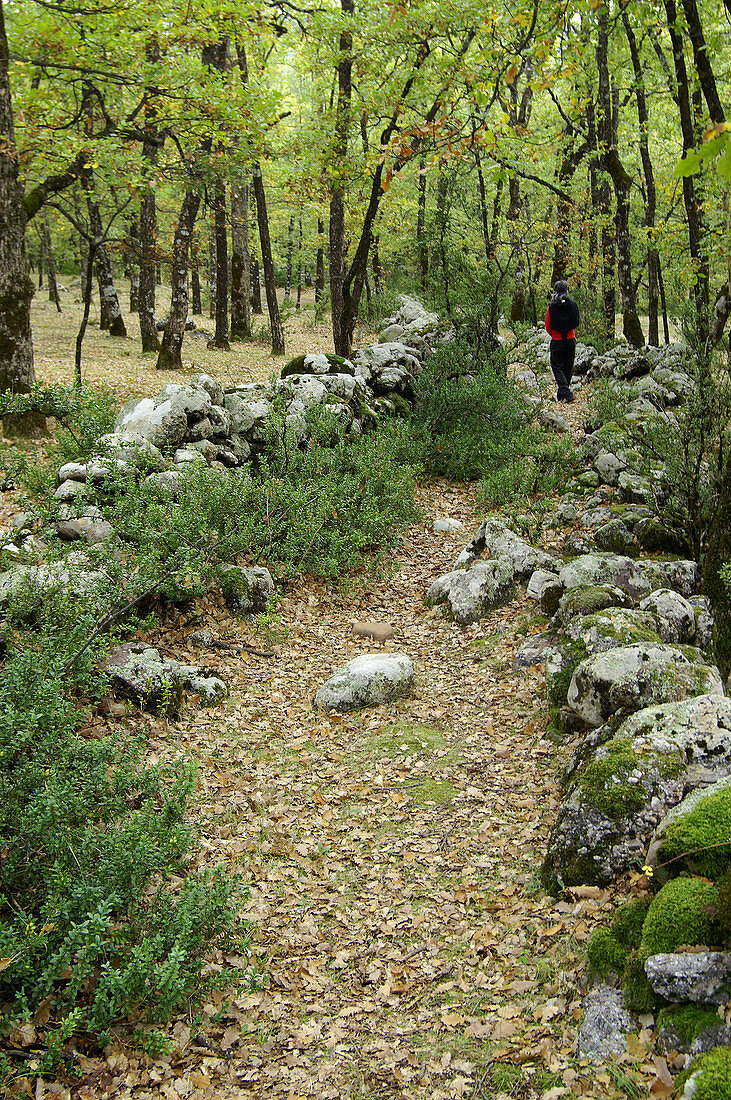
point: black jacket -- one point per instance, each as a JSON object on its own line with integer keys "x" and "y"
{"x": 564, "y": 315}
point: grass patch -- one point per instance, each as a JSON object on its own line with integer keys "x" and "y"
{"x": 401, "y": 740}
{"x": 433, "y": 790}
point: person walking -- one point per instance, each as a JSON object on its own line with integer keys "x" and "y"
{"x": 562, "y": 320}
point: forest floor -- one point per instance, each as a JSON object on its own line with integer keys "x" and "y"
{"x": 402, "y": 944}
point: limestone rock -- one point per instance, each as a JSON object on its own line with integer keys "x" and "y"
{"x": 366, "y": 682}
{"x": 246, "y": 590}
{"x": 471, "y": 593}
{"x": 447, "y": 525}
{"x": 703, "y": 977}
{"x": 604, "y": 1027}
{"x": 614, "y": 569}
{"x": 632, "y": 677}
{"x": 494, "y": 538}
{"x": 675, "y": 616}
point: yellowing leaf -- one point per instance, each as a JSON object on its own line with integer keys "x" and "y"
{"x": 511, "y": 74}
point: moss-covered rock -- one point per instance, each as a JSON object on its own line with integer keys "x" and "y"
{"x": 691, "y": 837}
{"x": 318, "y": 363}
{"x": 679, "y": 1025}
{"x": 586, "y": 599}
{"x": 683, "y": 913}
{"x": 612, "y": 628}
{"x": 609, "y": 948}
{"x": 709, "y": 1077}
{"x": 245, "y": 590}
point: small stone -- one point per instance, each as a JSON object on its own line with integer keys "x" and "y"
{"x": 702, "y": 977}
{"x": 447, "y": 526}
{"x": 379, "y": 632}
{"x": 605, "y": 1025}
{"x": 367, "y": 682}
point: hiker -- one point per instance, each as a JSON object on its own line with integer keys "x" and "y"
{"x": 562, "y": 319}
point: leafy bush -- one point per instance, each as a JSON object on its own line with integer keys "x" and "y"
{"x": 84, "y": 413}
{"x": 86, "y": 830}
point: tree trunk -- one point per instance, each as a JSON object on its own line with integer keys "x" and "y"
{"x": 290, "y": 258}
{"x": 53, "y": 295}
{"x": 268, "y": 264}
{"x": 697, "y": 234}
{"x": 376, "y": 264}
{"x": 442, "y": 222}
{"x": 134, "y": 267}
{"x": 299, "y": 264}
{"x": 320, "y": 262}
{"x": 220, "y": 339}
{"x": 148, "y": 260}
{"x": 212, "y": 271}
{"x": 172, "y": 340}
{"x": 255, "y": 287}
{"x": 16, "y": 286}
{"x": 41, "y": 243}
{"x": 340, "y": 321}
{"x": 240, "y": 264}
{"x": 421, "y": 245}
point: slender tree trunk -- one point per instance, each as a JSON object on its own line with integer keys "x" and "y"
{"x": 482, "y": 195}
{"x": 148, "y": 260}
{"x": 110, "y": 312}
{"x": 196, "y": 305}
{"x": 442, "y": 222}
{"x": 41, "y": 243}
{"x": 275, "y": 319}
{"x": 320, "y": 262}
{"x": 256, "y": 306}
{"x": 212, "y": 271}
{"x": 290, "y": 258}
{"x": 341, "y": 334}
{"x": 697, "y": 236}
{"x": 53, "y": 295}
{"x": 421, "y": 245}
{"x": 240, "y": 264}
{"x": 172, "y": 340}
{"x": 220, "y": 339}
{"x": 299, "y": 264}
{"x": 376, "y": 264}
{"x": 16, "y": 286}
{"x": 134, "y": 267}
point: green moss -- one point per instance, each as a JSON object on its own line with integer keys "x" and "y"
{"x": 638, "y": 994}
{"x": 604, "y": 780}
{"x": 585, "y": 599}
{"x": 687, "y": 1021}
{"x": 604, "y": 954}
{"x": 714, "y": 1075}
{"x": 706, "y": 825}
{"x": 558, "y": 681}
{"x": 628, "y": 920}
{"x": 431, "y": 790}
{"x": 399, "y": 740}
{"x": 682, "y": 913}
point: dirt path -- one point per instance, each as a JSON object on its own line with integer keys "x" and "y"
{"x": 403, "y": 945}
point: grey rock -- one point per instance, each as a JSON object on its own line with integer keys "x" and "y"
{"x": 367, "y": 681}
{"x": 121, "y": 452}
{"x": 702, "y": 977}
{"x": 609, "y": 467}
{"x": 586, "y": 599}
{"x": 616, "y": 537}
{"x": 633, "y": 677}
{"x": 156, "y": 683}
{"x": 612, "y": 628}
{"x": 552, "y": 420}
{"x": 70, "y": 490}
{"x": 74, "y": 470}
{"x": 711, "y": 1037}
{"x": 681, "y": 576}
{"x": 534, "y": 650}
{"x": 171, "y": 482}
{"x": 539, "y": 579}
{"x": 471, "y": 593}
{"x": 615, "y": 569}
{"x": 494, "y": 538}
{"x": 634, "y": 488}
{"x": 210, "y": 385}
{"x": 246, "y": 590}
{"x": 619, "y": 795}
{"x": 703, "y": 622}
{"x": 447, "y": 525}
{"x": 604, "y": 1027}
{"x": 675, "y": 616}
{"x": 595, "y": 517}
{"x": 92, "y": 529}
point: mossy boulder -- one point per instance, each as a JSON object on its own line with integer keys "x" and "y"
{"x": 586, "y": 599}
{"x": 612, "y": 628}
{"x": 617, "y": 798}
{"x": 609, "y": 948}
{"x": 629, "y": 678}
{"x": 691, "y": 837}
{"x": 679, "y": 1025}
{"x": 616, "y": 569}
{"x": 318, "y": 363}
{"x": 616, "y": 537}
{"x": 681, "y": 914}
{"x": 709, "y": 1077}
{"x": 246, "y": 591}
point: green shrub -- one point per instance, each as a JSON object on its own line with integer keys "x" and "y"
{"x": 83, "y": 413}
{"x": 86, "y": 830}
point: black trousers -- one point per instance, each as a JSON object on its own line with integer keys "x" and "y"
{"x": 563, "y": 354}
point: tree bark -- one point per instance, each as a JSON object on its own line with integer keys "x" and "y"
{"x": 169, "y": 357}
{"x": 421, "y": 244}
{"x": 220, "y": 339}
{"x": 255, "y": 287}
{"x": 290, "y": 259}
{"x": 148, "y": 222}
{"x": 693, "y": 206}
{"x": 133, "y": 266}
{"x": 16, "y": 287}
{"x": 341, "y": 333}
{"x": 212, "y": 271}
{"x": 320, "y": 262}
{"x": 240, "y": 263}
{"x": 53, "y": 295}
{"x": 275, "y": 319}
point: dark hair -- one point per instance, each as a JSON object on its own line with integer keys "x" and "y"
{"x": 561, "y": 288}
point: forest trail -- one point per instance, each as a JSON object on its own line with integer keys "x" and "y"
{"x": 402, "y": 940}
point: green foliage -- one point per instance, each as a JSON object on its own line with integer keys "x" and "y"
{"x": 87, "y": 828}
{"x": 83, "y": 413}
{"x": 705, "y": 827}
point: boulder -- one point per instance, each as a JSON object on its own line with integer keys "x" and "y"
{"x": 632, "y": 677}
{"x": 602, "y": 569}
{"x": 245, "y": 590}
{"x": 609, "y": 467}
{"x": 586, "y": 599}
{"x": 447, "y": 526}
{"x": 675, "y": 616}
{"x": 688, "y": 839}
{"x": 619, "y": 795}
{"x": 367, "y": 681}
{"x": 605, "y": 1026}
{"x": 616, "y": 537}
{"x": 681, "y": 576}
{"x": 612, "y": 628}
{"x": 471, "y": 593}
{"x": 494, "y": 538}
{"x": 702, "y": 977}
{"x": 156, "y": 683}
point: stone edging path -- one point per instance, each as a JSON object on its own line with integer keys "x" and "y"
{"x": 404, "y": 945}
